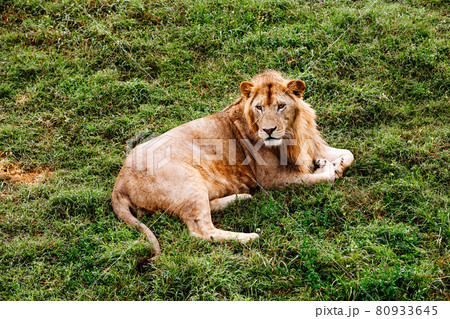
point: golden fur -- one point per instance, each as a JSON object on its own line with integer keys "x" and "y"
{"x": 267, "y": 138}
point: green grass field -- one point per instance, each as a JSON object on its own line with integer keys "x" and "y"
{"x": 79, "y": 78}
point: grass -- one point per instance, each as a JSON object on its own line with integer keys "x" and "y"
{"x": 78, "y": 79}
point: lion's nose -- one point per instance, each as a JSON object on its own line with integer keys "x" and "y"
{"x": 269, "y": 130}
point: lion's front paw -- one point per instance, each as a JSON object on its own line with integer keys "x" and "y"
{"x": 333, "y": 169}
{"x": 326, "y": 168}
{"x": 320, "y": 163}
{"x": 339, "y": 166}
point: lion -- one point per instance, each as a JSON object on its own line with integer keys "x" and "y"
{"x": 267, "y": 138}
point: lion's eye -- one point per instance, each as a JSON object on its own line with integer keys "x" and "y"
{"x": 259, "y": 107}
{"x": 281, "y": 106}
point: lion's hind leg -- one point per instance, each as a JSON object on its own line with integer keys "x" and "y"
{"x": 196, "y": 213}
{"x": 221, "y": 203}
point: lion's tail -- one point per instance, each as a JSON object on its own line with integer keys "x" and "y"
{"x": 121, "y": 206}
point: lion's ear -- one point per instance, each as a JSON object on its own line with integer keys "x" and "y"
{"x": 246, "y": 88}
{"x": 297, "y": 87}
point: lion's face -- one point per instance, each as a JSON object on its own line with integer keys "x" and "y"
{"x": 272, "y": 115}
{"x": 271, "y": 108}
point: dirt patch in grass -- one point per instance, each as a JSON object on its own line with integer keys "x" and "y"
{"x": 12, "y": 173}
